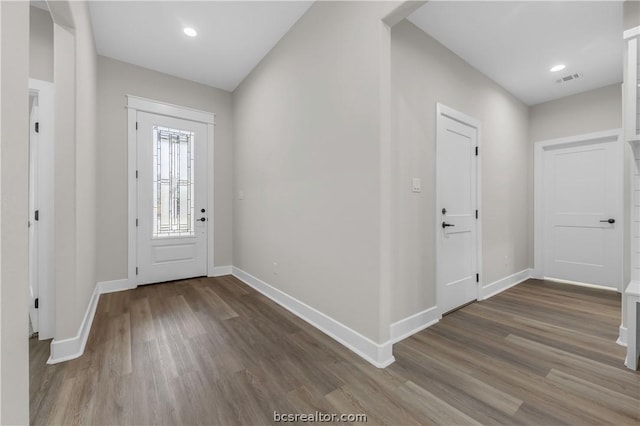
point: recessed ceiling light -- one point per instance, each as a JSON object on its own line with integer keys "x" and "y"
{"x": 556, "y": 68}
{"x": 190, "y": 32}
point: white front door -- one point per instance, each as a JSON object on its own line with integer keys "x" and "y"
{"x": 456, "y": 227}
{"x": 583, "y": 213}
{"x": 172, "y": 220}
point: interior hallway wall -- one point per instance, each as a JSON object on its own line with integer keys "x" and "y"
{"x": 592, "y": 111}
{"x": 74, "y": 165}
{"x": 40, "y": 44}
{"x": 14, "y": 142}
{"x": 307, "y": 161}
{"x": 86, "y": 158}
{"x": 116, "y": 80}
{"x": 425, "y": 72}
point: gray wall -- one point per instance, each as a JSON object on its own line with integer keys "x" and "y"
{"x": 14, "y": 142}
{"x": 592, "y": 111}
{"x": 74, "y": 69}
{"x": 40, "y": 44}
{"x": 307, "y": 158}
{"x": 115, "y": 81}
{"x": 425, "y": 72}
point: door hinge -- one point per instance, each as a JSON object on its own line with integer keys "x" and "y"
{"x": 136, "y": 221}
{"x": 476, "y": 151}
{"x": 136, "y": 174}
{"x": 476, "y": 213}
{"x": 136, "y": 125}
{"x": 36, "y": 303}
{"x": 36, "y": 215}
{"x": 136, "y": 270}
{"x": 477, "y": 278}
{"x": 37, "y": 127}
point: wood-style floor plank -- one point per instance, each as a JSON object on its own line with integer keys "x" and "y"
{"x": 214, "y": 351}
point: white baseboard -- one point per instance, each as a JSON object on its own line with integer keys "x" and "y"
{"x": 380, "y": 355}
{"x": 218, "y": 271}
{"x": 73, "y": 347}
{"x": 406, "y": 327}
{"x": 115, "y": 285}
{"x": 503, "y": 284}
{"x": 622, "y": 336}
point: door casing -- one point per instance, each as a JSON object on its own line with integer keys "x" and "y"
{"x": 445, "y": 111}
{"x": 44, "y": 91}
{"x": 135, "y": 104}
{"x": 540, "y": 147}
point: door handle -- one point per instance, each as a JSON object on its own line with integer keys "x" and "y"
{"x": 445, "y": 224}
{"x": 203, "y": 219}
{"x": 608, "y": 221}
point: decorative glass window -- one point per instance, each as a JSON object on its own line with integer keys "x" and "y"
{"x": 173, "y": 204}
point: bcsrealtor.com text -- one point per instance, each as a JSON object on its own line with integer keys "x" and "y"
{"x": 317, "y": 417}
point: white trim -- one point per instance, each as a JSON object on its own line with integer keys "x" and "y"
{"x": 71, "y": 348}
{"x": 631, "y": 32}
{"x": 380, "y": 355}
{"x": 113, "y": 286}
{"x": 46, "y": 276}
{"x": 210, "y": 198}
{"x": 580, "y": 284}
{"x": 135, "y": 104}
{"x": 219, "y": 271}
{"x": 613, "y": 135}
{"x": 446, "y": 111}
{"x": 171, "y": 110}
{"x": 411, "y": 325}
{"x": 503, "y": 284}
{"x": 622, "y": 336}
{"x": 133, "y": 195}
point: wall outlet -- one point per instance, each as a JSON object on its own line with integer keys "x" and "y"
{"x": 275, "y": 268}
{"x": 416, "y": 185}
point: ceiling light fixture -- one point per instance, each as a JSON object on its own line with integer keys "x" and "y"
{"x": 190, "y": 32}
{"x": 556, "y": 68}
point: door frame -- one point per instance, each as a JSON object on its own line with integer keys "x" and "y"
{"x": 45, "y": 92}
{"x": 135, "y": 104}
{"x": 445, "y": 111}
{"x": 607, "y": 136}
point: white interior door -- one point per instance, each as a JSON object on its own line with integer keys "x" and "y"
{"x": 583, "y": 213}
{"x": 172, "y": 198}
{"x": 456, "y": 228}
{"x": 33, "y": 219}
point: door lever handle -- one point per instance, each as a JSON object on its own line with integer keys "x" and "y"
{"x": 608, "y": 221}
{"x": 445, "y": 224}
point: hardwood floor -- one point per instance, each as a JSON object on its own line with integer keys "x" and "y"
{"x": 214, "y": 351}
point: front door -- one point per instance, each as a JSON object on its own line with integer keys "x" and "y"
{"x": 172, "y": 198}
{"x": 456, "y": 228}
{"x": 583, "y": 217}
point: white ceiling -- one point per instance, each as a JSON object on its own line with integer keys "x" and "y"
{"x": 233, "y": 36}
{"x": 516, "y": 43}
